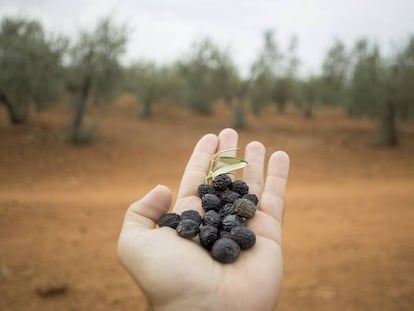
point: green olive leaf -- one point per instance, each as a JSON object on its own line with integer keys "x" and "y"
{"x": 218, "y": 167}
{"x": 225, "y": 150}
{"x": 230, "y": 160}
{"x": 227, "y": 169}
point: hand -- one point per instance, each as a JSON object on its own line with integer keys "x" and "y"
{"x": 178, "y": 274}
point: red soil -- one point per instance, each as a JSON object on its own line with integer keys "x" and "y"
{"x": 348, "y": 231}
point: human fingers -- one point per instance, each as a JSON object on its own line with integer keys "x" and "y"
{"x": 253, "y": 172}
{"x": 144, "y": 214}
{"x": 195, "y": 173}
{"x": 197, "y": 166}
{"x": 273, "y": 195}
{"x": 141, "y": 216}
{"x": 228, "y": 139}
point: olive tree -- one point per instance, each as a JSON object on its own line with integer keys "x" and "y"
{"x": 152, "y": 83}
{"x": 374, "y": 90}
{"x": 94, "y": 69}
{"x": 286, "y": 84}
{"x": 210, "y": 74}
{"x": 335, "y": 74}
{"x": 365, "y": 92}
{"x": 404, "y": 62}
{"x": 263, "y": 74}
{"x": 31, "y": 67}
{"x": 399, "y": 95}
{"x": 308, "y": 94}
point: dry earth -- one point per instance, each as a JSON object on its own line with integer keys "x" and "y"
{"x": 348, "y": 231}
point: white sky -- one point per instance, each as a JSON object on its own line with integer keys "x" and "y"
{"x": 162, "y": 30}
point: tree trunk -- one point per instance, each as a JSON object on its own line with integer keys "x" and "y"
{"x": 239, "y": 116}
{"x": 16, "y": 116}
{"x": 256, "y": 109}
{"x": 388, "y": 126}
{"x": 308, "y": 109}
{"x": 388, "y": 134}
{"x": 146, "y": 109}
{"x": 281, "y": 105}
{"x": 80, "y": 109}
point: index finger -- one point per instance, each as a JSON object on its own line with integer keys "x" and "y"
{"x": 197, "y": 166}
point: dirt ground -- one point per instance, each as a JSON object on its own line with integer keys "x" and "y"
{"x": 348, "y": 231}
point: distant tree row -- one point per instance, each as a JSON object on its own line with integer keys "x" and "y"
{"x": 39, "y": 69}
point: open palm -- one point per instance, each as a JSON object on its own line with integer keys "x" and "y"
{"x": 178, "y": 274}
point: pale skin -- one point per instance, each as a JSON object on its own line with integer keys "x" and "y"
{"x": 178, "y": 274}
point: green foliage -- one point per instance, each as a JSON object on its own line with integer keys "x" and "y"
{"x": 263, "y": 74}
{"x": 94, "y": 69}
{"x": 97, "y": 53}
{"x": 152, "y": 83}
{"x": 281, "y": 92}
{"x": 309, "y": 95}
{"x": 261, "y": 92}
{"x": 269, "y": 58}
{"x": 173, "y": 87}
{"x": 382, "y": 89}
{"x": 366, "y": 87}
{"x": 226, "y": 80}
{"x": 404, "y": 80}
{"x": 144, "y": 79}
{"x": 209, "y": 74}
{"x": 231, "y": 164}
{"x": 273, "y": 77}
{"x": 335, "y": 73}
{"x": 31, "y": 70}
{"x": 359, "y": 80}
{"x": 239, "y": 115}
{"x": 286, "y": 85}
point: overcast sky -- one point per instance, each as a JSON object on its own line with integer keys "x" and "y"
{"x": 162, "y": 30}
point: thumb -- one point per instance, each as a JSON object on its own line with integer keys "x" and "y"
{"x": 144, "y": 214}
{"x": 141, "y": 216}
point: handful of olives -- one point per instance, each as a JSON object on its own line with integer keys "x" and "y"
{"x": 222, "y": 230}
